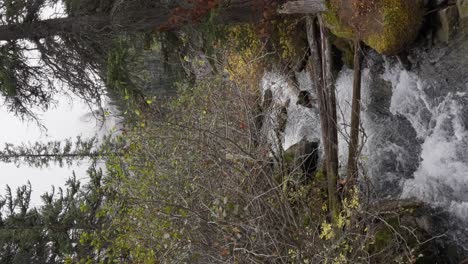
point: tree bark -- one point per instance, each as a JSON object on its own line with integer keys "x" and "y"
{"x": 329, "y": 84}
{"x": 239, "y": 11}
{"x": 315, "y": 69}
{"x": 53, "y": 27}
{"x": 320, "y": 66}
{"x": 353, "y": 151}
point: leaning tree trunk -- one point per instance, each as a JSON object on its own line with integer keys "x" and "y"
{"x": 53, "y": 27}
{"x": 353, "y": 151}
{"x": 160, "y": 18}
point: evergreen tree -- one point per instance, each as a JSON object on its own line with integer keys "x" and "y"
{"x": 38, "y": 54}
{"x": 41, "y": 155}
{"x": 22, "y": 239}
{"x": 51, "y": 234}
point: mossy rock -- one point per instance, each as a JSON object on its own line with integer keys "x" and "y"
{"x": 334, "y": 20}
{"x": 388, "y": 26}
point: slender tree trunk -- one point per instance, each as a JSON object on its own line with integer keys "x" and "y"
{"x": 355, "y": 117}
{"x": 315, "y": 69}
{"x": 72, "y": 155}
{"x": 329, "y": 84}
{"x": 320, "y": 65}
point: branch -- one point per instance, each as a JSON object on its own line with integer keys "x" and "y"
{"x": 303, "y": 7}
{"x": 51, "y": 27}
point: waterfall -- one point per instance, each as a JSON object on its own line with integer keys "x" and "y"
{"x": 440, "y": 123}
{"x": 415, "y": 139}
{"x": 415, "y": 123}
{"x": 301, "y": 122}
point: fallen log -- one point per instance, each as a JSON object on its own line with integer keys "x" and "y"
{"x": 303, "y": 7}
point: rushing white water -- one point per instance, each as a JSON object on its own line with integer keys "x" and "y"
{"x": 441, "y": 134}
{"x": 344, "y": 95}
{"x": 416, "y": 142}
{"x": 442, "y": 175}
{"x": 302, "y": 122}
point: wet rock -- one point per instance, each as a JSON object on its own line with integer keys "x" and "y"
{"x": 394, "y": 154}
{"x": 404, "y": 61}
{"x": 423, "y": 228}
{"x": 267, "y": 99}
{"x": 305, "y": 99}
{"x": 463, "y": 8}
{"x": 283, "y": 117}
{"x": 448, "y": 22}
{"x": 302, "y": 159}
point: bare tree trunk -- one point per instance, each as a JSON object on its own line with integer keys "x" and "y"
{"x": 355, "y": 117}
{"x": 320, "y": 65}
{"x": 232, "y": 12}
{"x": 315, "y": 69}
{"x": 52, "y": 27}
{"x": 332, "y": 159}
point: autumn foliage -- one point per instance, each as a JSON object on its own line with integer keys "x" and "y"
{"x": 181, "y": 16}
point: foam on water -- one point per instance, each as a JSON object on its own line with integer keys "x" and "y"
{"x": 437, "y": 171}
{"x": 301, "y": 122}
{"x": 344, "y": 95}
{"x": 442, "y": 175}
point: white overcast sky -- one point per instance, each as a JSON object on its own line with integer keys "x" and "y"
{"x": 68, "y": 120}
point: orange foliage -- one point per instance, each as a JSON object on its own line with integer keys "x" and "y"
{"x": 180, "y": 16}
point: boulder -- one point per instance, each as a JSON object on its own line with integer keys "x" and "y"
{"x": 267, "y": 99}
{"x": 302, "y": 159}
{"x": 282, "y": 118}
{"x": 388, "y": 26}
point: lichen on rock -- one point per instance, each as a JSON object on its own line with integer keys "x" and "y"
{"x": 388, "y": 26}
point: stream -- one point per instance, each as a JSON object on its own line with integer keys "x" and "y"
{"x": 414, "y": 122}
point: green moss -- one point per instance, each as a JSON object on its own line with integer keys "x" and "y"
{"x": 401, "y": 22}
{"x": 388, "y": 27}
{"x": 383, "y": 238}
{"x": 320, "y": 176}
{"x": 289, "y": 157}
{"x": 334, "y": 22}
